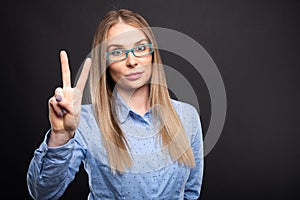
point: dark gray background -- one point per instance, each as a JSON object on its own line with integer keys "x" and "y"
{"x": 255, "y": 45}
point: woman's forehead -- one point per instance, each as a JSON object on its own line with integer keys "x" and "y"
{"x": 124, "y": 34}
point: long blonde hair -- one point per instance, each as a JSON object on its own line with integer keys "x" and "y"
{"x": 101, "y": 87}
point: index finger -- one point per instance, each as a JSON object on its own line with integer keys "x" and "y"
{"x": 65, "y": 69}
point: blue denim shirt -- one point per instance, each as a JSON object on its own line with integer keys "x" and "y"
{"x": 152, "y": 176}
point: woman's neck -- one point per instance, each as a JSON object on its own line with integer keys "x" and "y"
{"x": 138, "y": 99}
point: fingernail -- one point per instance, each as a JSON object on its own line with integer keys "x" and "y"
{"x": 63, "y": 111}
{"x": 58, "y": 98}
{"x": 60, "y": 113}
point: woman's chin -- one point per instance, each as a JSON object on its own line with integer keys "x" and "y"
{"x": 132, "y": 86}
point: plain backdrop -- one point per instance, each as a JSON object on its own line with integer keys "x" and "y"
{"x": 255, "y": 45}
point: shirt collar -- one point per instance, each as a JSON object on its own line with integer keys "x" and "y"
{"x": 122, "y": 109}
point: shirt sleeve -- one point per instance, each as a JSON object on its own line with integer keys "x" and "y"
{"x": 194, "y": 182}
{"x": 52, "y": 169}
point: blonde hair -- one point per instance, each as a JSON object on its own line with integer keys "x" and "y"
{"x": 101, "y": 86}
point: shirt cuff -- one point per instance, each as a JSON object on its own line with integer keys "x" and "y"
{"x": 55, "y": 154}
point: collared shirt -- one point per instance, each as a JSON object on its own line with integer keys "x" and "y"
{"x": 152, "y": 176}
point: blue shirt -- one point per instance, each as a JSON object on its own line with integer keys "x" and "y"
{"x": 152, "y": 176}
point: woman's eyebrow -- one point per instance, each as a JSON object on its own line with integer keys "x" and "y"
{"x": 119, "y": 45}
{"x": 141, "y": 41}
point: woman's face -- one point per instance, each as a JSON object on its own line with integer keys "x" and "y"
{"x": 132, "y": 72}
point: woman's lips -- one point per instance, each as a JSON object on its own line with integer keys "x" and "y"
{"x": 134, "y": 76}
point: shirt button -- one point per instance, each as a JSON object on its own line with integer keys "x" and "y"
{"x": 154, "y": 178}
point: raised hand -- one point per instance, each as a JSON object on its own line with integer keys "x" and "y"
{"x": 65, "y": 105}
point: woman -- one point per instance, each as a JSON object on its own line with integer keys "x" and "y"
{"x": 134, "y": 141}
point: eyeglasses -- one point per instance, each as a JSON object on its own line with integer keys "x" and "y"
{"x": 121, "y": 54}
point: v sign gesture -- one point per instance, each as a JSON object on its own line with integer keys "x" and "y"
{"x": 65, "y": 105}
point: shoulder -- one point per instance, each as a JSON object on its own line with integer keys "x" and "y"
{"x": 88, "y": 127}
{"x": 189, "y": 116}
{"x": 87, "y": 113}
{"x": 86, "y": 110}
{"x": 87, "y": 117}
{"x": 184, "y": 109}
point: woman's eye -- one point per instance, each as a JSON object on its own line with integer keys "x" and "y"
{"x": 140, "y": 48}
{"x": 117, "y": 52}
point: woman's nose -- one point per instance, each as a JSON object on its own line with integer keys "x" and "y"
{"x": 131, "y": 60}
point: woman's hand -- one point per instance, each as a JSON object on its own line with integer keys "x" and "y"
{"x": 65, "y": 105}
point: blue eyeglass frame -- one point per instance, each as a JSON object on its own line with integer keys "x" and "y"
{"x": 129, "y": 50}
